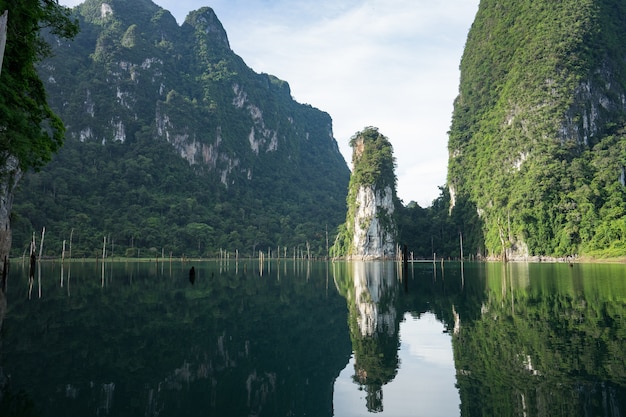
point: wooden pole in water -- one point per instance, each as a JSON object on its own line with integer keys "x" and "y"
{"x": 327, "y": 250}
{"x": 32, "y": 257}
{"x": 43, "y": 233}
{"x": 5, "y": 274}
{"x": 461, "y": 239}
{"x": 3, "y": 34}
{"x": 31, "y": 271}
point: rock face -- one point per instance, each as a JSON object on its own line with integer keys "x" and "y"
{"x": 174, "y": 118}
{"x": 538, "y": 129}
{"x": 374, "y": 239}
{"x": 370, "y": 231}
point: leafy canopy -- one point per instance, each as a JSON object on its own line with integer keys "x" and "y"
{"x": 29, "y": 129}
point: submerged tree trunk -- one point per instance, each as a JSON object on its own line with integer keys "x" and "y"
{"x": 10, "y": 174}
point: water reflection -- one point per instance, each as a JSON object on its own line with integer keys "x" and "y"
{"x": 372, "y": 295}
{"x": 276, "y": 339}
{"x": 139, "y": 339}
{"x": 549, "y": 341}
{"x": 396, "y": 348}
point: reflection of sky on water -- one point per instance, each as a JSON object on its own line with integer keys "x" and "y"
{"x": 425, "y": 383}
{"x": 425, "y": 339}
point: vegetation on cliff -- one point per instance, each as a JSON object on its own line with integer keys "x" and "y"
{"x": 373, "y": 167}
{"x": 537, "y": 143}
{"x": 174, "y": 145}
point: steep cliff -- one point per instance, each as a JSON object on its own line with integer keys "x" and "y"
{"x": 370, "y": 230}
{"x": 174, "y": 144}
{"x": 537, "y": 144}
{"x": 374, "y": 230}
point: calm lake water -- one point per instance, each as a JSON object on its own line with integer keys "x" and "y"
{"x": 315, "y": 339}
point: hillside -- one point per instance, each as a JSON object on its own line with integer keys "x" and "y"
{"x": 174, "y": 145}
{"x": 537, "y": 146}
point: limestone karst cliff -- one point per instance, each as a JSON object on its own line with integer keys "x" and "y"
{"x": 370, "y": 230}
{"x": 174, "y": 144}
{"x": 374, "y": 231}
{"x": 537, "y": 142}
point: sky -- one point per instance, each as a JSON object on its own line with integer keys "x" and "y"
{"x": 391, "y": 64}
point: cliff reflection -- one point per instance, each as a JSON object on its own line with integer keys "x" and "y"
{"x": 549, "y": 341}
{"x": 528, "y": 339}
{"x": 149, "y": 343}
{"x": 371, "y": 290}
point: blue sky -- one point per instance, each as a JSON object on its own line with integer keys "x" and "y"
{"x": 392, "y": 64}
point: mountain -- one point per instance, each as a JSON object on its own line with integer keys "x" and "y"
{"x": 537, "y": 145}
{"x": 370, "y": 231}
{"x": 174, "y": 145}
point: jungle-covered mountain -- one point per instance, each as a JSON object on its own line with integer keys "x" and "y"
{"x": 537, "y": 145}
{"x": 174, "y": 145}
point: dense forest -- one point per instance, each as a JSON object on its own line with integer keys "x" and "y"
{"x": 30, "y": 131}
{"x": 537, "y": 143}
{"x": 174, "y": 145}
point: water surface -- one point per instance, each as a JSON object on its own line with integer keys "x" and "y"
{"x": 296, "y": 338}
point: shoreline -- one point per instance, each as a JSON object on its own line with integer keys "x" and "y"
{"x": 520, "y": 259}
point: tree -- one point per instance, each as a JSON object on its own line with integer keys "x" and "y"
{"x": 29, "y": 131}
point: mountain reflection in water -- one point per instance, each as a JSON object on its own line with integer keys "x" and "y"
{"x": 294, "y": 338}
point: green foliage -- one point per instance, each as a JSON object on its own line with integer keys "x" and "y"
{"x": 540, "y": 87}
{"x": 30, "y": 129}
{"x": 373, "y": 166}
{"x": 372, "y": 159}
{"x": 439, "y": 231}
{"x": 162, "y": 124}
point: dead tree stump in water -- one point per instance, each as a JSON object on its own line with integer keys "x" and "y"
{"x": 192, "y": 275}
